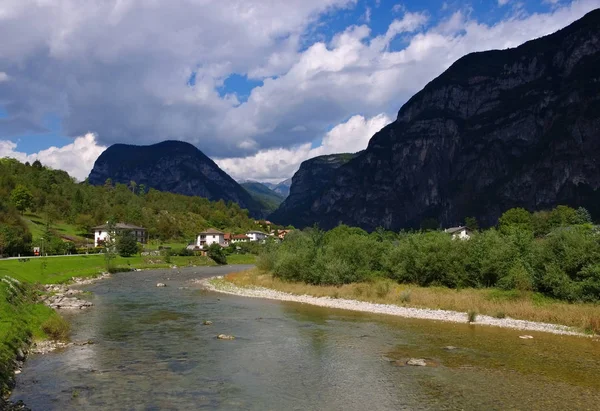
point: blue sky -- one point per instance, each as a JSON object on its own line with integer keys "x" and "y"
{"x": 258, "y": 85}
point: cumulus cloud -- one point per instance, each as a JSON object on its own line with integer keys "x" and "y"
{"x": 140, "y": 72}
{"x": 76, "y": 158}
{"x": 274, "y": 165}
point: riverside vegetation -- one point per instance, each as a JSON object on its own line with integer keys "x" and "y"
{"x": 542, "y": 266}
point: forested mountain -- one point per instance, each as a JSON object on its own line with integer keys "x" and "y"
{"x": 171, "y": 166}
{"x": 54, "y": 197}
{"x": 497, "y": 130}
{"x": 268, "y": 198}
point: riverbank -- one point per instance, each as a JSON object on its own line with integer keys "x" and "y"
{"x": 507, "y": 309}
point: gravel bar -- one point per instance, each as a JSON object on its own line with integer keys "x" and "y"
{"x": 219, "y": 284}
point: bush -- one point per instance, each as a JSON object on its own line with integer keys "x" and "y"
{"x": 126, "y": 245}
{"x": 472, "y": 316}
{"x": 215, "y": 251}
{"x": 57, "y": 328}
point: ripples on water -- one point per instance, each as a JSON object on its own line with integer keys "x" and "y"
{"x": 153, "y": 353}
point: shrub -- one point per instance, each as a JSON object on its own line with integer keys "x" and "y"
{"x": 405, "y": 296}
{"x": 215, "y": 251}
{"x": 382, "y": 288}
{"x": 500, "y": 314}
{"x": 126, "y": 244}
{"x": 57, "y": 328}
{"x": 593, "y": 325}
{"x": 472, "y": 316}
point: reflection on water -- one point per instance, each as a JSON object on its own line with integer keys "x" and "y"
{"x": 153, "y": 352}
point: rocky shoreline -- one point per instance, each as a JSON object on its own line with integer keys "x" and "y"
{"x": 218, "y": 284}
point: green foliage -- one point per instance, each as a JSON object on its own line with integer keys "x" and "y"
{"x": 56, "y": 328}
{"x": 215, "y": 252}
{"x": 471, "y": 223}
{"x": 518, "y": 218}
{"x": 126, "y": 244}
{"x": 471, "y": 316}
{"x": 74, "y": 208}
{"x": 22, "y": 198}
{"x": 563, "y": 264}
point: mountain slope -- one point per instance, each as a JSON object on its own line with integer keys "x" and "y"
{"x": 269, "y": 199}
{"x": 498, "y": 129}
{"x": 308, "y": 183}
{"x": 172, "y": 166}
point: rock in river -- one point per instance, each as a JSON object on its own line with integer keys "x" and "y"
{"x": 161, "y": 285}
{"x": 207, "y": 322}
{"x": 225, "y": 337}
{"x": 417, "y": 362}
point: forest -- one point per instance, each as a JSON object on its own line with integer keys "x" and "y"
{"x": 37, "y": 201}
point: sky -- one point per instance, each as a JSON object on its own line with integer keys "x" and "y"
{"x": 257, "y": 85}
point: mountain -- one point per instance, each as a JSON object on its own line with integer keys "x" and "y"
{"x": 498, "y": 129}
{"x": 282, "y": 188}
{"x": 269, "y": 199}
{"x": 172, "y": 166}
{"x": 312, "y": 177}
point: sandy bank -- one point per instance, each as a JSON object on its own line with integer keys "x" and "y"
{"x": 218, "y": 284}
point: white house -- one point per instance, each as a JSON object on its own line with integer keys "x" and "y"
{"x": 210, "y": 236}
{"x": 256, "y": 235}
{"x": 462, "y": 232}
{"x": 102, "y": 234}
{"x": 240, "y": 238}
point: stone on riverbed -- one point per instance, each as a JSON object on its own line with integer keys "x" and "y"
{"x": 207, "y": 322}
{"x": 225, "y": 337}
{"x": 417, "y": 362}
{"x": 161, "y": 285}
{"x": 525, "y": 337}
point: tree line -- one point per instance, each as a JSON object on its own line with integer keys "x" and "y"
{"x": 555, "y": 252}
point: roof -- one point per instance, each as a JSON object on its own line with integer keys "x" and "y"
{"x": 256, "y": 232}
{"x": 212, "y": 231}
{"x": 240, "y": 237}
{"x": 227, "y": 236}
{"x": 453, "y": 230}
{"x": 121, "y": 226}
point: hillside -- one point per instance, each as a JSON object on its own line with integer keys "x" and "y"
{"x": 497, "y": 130}
{"x": 55, "y": 205}
{"x": 268, "y": 198}
{"x": 171, "y": 166}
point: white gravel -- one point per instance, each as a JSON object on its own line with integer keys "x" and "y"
{"x": 218, "y": 284}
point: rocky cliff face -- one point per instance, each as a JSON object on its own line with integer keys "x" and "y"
{"x": 307, "y": 184}
{"x": 498, "y": 129}
{"x": 172, "y": 166}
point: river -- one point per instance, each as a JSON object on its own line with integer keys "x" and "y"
{"x": 152, "y": 352}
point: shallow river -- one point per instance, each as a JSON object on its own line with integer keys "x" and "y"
{"x": 152, "y": 352}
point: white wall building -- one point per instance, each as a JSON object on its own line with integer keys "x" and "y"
{"x": 462, "y": 232}
{"x": 102, "y": 234}
{"x": 240, "y": 238}
{"x": 210, "y": 236}
{"x": 256, "y": 235}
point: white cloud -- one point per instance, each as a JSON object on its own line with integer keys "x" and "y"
{"x": 76, "y": 158}
{"x": 274, "y": 165}
{"x": 503, "y": 2}
{"x": 122, "y": 69}
{"x": 3, "y": 76}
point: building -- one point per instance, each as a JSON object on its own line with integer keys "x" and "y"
{"x": 462, "y": 232}
{"x": 240, "y": 238}
{"x": 256, "y": 235}
{"x": 210, "y": 236}
{"x": 101, "y": 233}
{"x": 227, "y": 239}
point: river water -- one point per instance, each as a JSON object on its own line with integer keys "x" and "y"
{"x": 152, "y": 352}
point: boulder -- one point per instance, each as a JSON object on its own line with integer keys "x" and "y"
{"x": 207, "y": 322}
{"x": 161, "y": 285}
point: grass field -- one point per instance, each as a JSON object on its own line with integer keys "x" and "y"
{"x": 61, "y": 269}
{"x": 241, "y": 259}
{"x": 493, "y": 302}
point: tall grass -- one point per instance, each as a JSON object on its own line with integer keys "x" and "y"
{"x": 525, "y": 305}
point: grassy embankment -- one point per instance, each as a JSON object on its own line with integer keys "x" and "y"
{"x": 494, "y": 302}
{"x": 22, "y": 319}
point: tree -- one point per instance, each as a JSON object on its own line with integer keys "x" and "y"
{"x": 515, "y": 218}
{"x": 216, "y": 253}
{"x": 583, "y": 216}
{"x": 22, "y": 198}
{"x": 471, "y": 223}
{"x": 132, "y": 185}
{"x": 37, "y": 164}
{"x": 141, "y": 189}
{"x": 126, "y": 244}
{"x": 85, "y": 223}
{"x": 109, "y": 246}
{"x": 563, "y": 216}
